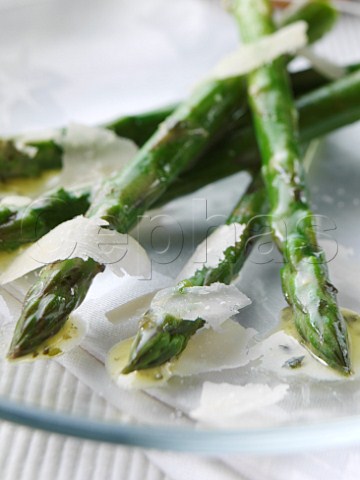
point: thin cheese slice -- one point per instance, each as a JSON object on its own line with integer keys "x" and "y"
{"x": 214, "y": 303}
{"x": 248, "y": 57}
{"x": 91, "y": 153}
{"x": 83, "y": 238}
{"x": 227, "y": 405}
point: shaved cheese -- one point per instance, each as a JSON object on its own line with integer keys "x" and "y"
{"x": 251, "y": 56}
{"x": 15, "y": 201}
{"x": 213, "y": 351}
{"x": 82, "y": 238}
{"x": 214, "y": 303}
{"x": 21, "y": 142}
{"x": 207, "y": 351}
{"x": 324, "y": 66}
{"x": 91, "y": 153}
{"x": 211, "y": 251}
{"x": 227, "y": 405}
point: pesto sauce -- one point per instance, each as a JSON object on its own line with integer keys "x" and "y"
{"x": 58, "y": 344}
{"x": 30, "y": 187}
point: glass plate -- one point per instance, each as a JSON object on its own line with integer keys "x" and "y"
{"x": 89, "y": 62}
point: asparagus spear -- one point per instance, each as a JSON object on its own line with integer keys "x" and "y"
{"x": 28, "y": 223}
{"x": 159, "y": 339}
{"x": 320, "y": 14}
{"x": 305, "y": 279}
{"x": 17, "y": 162}
{"x": 321, "y": 111}
{"x": 68, "y": 283}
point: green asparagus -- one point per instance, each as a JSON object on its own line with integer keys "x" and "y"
{"x": 305, "y": 279}
{"x": 321, "y": 111}
{"x": 28, "y": 223}
{"x": 42, "y": 312}
{"x": 160, "y": 338}
{"x": 18, "y": 162}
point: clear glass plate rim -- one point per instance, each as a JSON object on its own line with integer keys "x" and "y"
{"x": 282, "y": 439}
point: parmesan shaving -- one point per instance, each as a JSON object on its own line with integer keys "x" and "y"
{"x": 211, "y": 251}
{"x": 227, "y": 405}
{"x": 15, "y": 201}
{"x": 214, "y": 303}
{"x": 82, "y": 238}
{"x": 207, "y": 351}
{"x": 91, "y": 153}
{"x": 248, "y": 57}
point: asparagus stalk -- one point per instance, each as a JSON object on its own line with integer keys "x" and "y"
{"x": 305, "y": 279}
{"x": 321, "y": 111}
{"x": 17, "y": 162}
{"x": 320, "y": 14}
{"x": 28, "y": 223}
{"x": 68, "y": 283}
{"x": 159, "y": 339}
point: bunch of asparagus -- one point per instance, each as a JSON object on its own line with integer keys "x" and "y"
{"x": 201, "y": 140}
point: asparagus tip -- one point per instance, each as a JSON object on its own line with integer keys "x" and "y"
{"x": 15, "y": 352}
{"x": 129, "y": 368}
